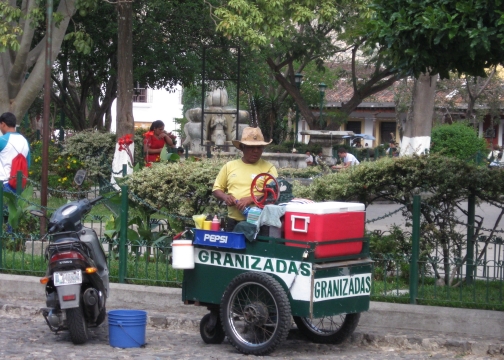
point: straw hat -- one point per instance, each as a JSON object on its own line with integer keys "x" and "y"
{"x": 251, "y": 136}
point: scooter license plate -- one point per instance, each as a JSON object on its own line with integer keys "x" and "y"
{"x": 67, "y": 278}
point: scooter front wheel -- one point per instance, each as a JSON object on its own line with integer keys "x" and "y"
{"x": 77, "y": 325}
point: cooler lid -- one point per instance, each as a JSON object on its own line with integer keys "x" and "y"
{"x": 328, "y": 207}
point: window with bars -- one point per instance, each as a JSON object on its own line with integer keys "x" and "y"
{"x": 354, "y": 126}
{"x": 140, "y": 94}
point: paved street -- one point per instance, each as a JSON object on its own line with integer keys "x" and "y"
{"x": 374, "y": 211}
{"x": 28, "y": 337}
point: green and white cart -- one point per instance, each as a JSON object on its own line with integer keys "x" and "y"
{"x": 254, "y": 293}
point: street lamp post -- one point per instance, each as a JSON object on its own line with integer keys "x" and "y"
{"x": 322, "y": 88}
{"x": 298, "y": 77}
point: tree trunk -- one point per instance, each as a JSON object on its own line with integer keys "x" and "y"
{"x": 17, "y": 94}
{"x": 124, "y": 118}
{"x": 418, "y": 124}
{"x": 125, "y": 123}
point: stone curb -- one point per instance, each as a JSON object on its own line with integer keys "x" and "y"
{"x": 359, "y": 338}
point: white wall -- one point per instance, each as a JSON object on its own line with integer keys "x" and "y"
{"x": 163, "y": 105}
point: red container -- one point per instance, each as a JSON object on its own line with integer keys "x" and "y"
{"x": 326, "y": 221}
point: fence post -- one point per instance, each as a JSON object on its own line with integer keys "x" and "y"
{"x": 415, "y": 249}
{"x": 123, "y": 233}
{"x": 471, "y": 211}
{"x": 1, "y": 225}
{"x": 124, "y": 170}
{"x": 19, "y": 182}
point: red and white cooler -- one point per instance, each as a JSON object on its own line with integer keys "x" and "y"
{"x": 326, "y": 221}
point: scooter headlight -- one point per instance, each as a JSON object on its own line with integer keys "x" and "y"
{"x": 69, "y": 210}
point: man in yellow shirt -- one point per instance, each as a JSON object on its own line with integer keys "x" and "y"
{"x": 232, "y": 185}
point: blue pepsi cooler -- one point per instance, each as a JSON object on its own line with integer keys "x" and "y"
{"x": 221, "y": 239}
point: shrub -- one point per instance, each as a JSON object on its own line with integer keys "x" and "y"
{"x": 62, "y": 169}
{"x": 458, "y": 140}
{"x": 445, "y": 182}
{"x": 180, "y": 188}
{"x": 305, "y": 173}
{"x": 94, "y": 149}
{"x": 286, "y": 147}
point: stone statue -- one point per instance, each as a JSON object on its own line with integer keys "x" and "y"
{"x": 219, "y": 125}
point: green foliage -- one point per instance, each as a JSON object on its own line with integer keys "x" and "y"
{"x": 62, "y": 168}
{"x": 457, "y": 140}
{"x": 421, "y": 36}
{"x": 391, "y": 251}
{"x": 182, "y": 188}
{"x": 94, "y": 149}
{"x": 19, "y": 206}
{"x": 9, "y": 30}
{"x": 256, "y": 22}
{"x": 305, "y": 173}
{"x": 35, "y": 170}
{"x": 81, "y": 41}
{"x": 141, "y": 232}
{"x": 287, "y": 146}
{"x": 139, "y": 156}
{"x": 444, "y": 182}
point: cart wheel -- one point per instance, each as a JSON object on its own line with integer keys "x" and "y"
{"x": 329, "y": 329}
{"x": 255, "y": 312}
{"x": 211, "y": 335}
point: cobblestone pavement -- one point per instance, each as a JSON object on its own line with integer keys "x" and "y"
{"x": 24, "y": 335}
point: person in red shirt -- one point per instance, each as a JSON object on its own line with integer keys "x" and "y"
{"x": 155, "y": 140}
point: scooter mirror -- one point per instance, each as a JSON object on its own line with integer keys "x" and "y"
{"x": 37, "y": 213}
{"x": 80, "y": 176}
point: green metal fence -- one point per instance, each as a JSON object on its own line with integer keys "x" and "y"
{"x": 474, "y": 273}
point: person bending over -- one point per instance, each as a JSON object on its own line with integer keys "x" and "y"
{"x": 347, "y": 160}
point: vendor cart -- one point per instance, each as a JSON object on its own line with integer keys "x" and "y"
{"x": 254, "y": 289}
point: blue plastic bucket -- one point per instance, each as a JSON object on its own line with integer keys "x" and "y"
{"x": 127, "y": 328}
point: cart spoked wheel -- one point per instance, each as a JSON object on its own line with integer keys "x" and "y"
{"x": 211, "y": 329}
{"x": 329, "y": 329}
{"x": 267, "y": 185}
{"x": 255, "y": 313}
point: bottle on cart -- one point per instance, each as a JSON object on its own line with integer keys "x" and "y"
{"x": 215, "y": 224}
{"x": 245, "y": 211}
{"x": 222, "y": 224}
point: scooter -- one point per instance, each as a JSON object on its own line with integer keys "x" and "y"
{"x": 77, "y": 277}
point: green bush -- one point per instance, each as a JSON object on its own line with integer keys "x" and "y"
{"x": 62, "y": 168}
{"x": 305, "y": 173}
{"x": 179, "y": 188}
{"x": 457, "y": 140}
{"x": 444, "y": 183}
{"x": 286, "y": 147}
{"x": 94, "y": 149}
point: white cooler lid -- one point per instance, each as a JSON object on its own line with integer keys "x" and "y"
{"x": 328, "y": 207}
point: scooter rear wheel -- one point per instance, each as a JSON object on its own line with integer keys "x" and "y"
{"x": 77, "y": 325}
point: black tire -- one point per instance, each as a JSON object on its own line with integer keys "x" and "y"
{"x": 329, "y": 329}
{"x": 255, "y": 313}
{"x": 211, "y": 336}
{"x": 77, "y": 325}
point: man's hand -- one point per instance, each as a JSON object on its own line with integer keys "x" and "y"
{"x": 229, "y": 200}
{"x": 244, "y": 202}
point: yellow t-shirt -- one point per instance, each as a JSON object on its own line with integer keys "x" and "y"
{"x": 235, "y": 179}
